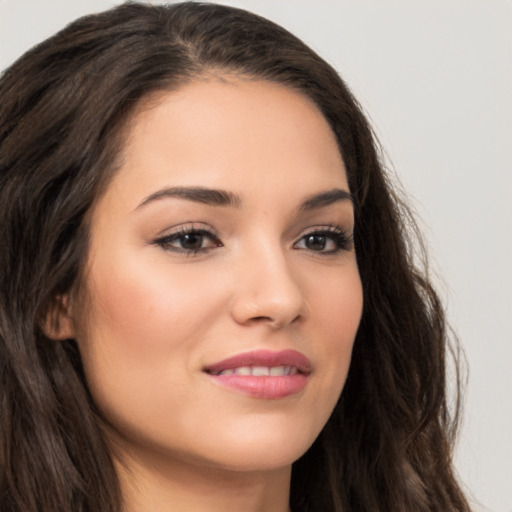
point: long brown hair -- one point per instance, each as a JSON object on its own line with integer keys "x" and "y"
{"x": 63, "y": 107}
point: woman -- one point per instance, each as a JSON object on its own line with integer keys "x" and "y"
{"x": 208, "y": 298}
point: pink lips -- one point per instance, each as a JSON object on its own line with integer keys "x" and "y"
{"x": 288, "y": 373}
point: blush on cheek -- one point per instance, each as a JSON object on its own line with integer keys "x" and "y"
{"x": 147, "y": 313}
{"x": 341, "y": 313}
{"x": 341, "y": 305}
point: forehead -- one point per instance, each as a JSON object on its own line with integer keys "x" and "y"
{"x": 235, "y": 133}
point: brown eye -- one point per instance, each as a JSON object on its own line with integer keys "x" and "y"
{"x": 325, "y": 241}
{"x": 189, "y": 241}
{"x": 315, "y": 242}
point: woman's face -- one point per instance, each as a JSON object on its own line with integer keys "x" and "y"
{"x": 223, "y": 289}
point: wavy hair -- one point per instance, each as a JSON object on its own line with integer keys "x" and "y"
{"x": 63, "y": 107}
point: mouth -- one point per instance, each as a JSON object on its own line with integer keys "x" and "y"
{"x": 259, "y": 371}
{"x": 262, "y": 373}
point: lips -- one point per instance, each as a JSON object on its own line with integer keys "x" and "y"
{"x": 263, "y": 373}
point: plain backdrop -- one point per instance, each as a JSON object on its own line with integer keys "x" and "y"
{"x": 435, "y": 77}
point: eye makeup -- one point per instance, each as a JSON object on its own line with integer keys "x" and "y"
{"x": 192, "y": 240}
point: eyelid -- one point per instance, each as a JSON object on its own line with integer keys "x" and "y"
{"x": 337, "y": 235}
{"x": 325, "y": 228}
{"x": 185, "y": 227}
{"x": 164, "y": 241}
{"x": 343, "y": 238}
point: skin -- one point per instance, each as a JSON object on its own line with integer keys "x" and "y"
{"x": 157, "y": 315}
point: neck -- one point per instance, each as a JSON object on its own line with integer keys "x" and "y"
{"x": 184, "y": 486}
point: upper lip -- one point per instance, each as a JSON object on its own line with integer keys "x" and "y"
{"x": 263, "y": 358}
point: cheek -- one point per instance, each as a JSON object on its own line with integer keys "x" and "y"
{"x": 336, "y": 302}
{"x": 142, "y": 329}
{"x": 139, "y": 347}
{"x": 337, "y": 310}
{"x": 140, "y": 307}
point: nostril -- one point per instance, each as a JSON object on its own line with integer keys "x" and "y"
{"x": 275, "y": 323}
{"x": 271, "y": 302}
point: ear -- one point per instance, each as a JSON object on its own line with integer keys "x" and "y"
{"x": 58, "y": 324}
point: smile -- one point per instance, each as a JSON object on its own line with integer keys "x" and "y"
{"x": 262, "y": 373}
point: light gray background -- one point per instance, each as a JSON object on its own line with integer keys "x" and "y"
{"x": 436, "y": 79}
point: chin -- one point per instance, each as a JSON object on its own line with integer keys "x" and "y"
{"x": 260, "y": 452}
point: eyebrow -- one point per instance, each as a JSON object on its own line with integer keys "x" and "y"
{"x": 326, "y": 198}
{"x": 216, "y": 197}
{"x": 203, "y": 195}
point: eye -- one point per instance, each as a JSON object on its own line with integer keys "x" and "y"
{"x": 189, "y": 241}
{"x": 329, "y": 240}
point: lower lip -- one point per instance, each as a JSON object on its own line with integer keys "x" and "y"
{"x": 270, "y": 388}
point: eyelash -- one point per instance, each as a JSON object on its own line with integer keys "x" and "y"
{"x": 166, "y": 241}
{"x": 341, "y": 239}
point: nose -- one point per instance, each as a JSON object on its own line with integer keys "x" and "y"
{"x": 267, "y": 290}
